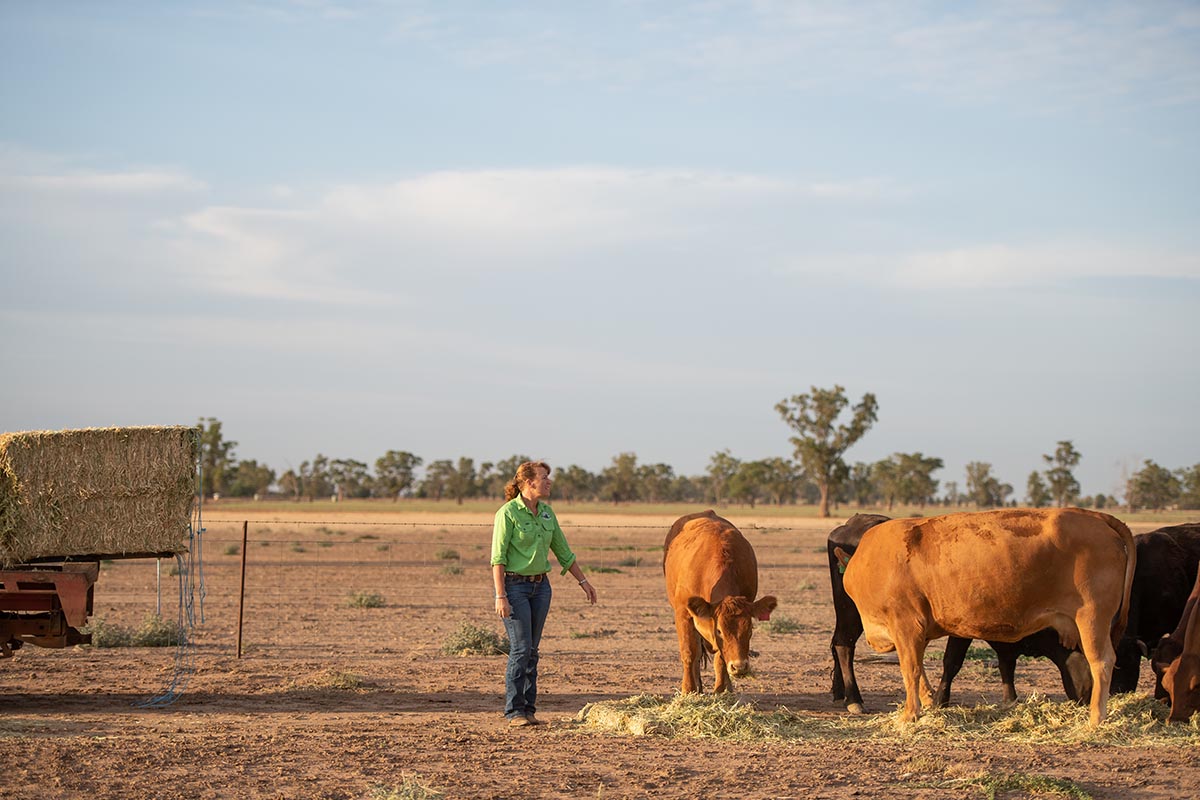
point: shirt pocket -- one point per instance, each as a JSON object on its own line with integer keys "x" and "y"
{"x": 528, "y": 533}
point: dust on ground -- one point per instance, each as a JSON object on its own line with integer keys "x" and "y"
{"x": 330, "y": 700}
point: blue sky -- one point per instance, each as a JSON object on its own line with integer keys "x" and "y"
{"x": 574, "y": 230}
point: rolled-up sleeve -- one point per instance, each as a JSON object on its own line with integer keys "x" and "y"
{"x": 502, "y": 531}
{"x": 562, "y": 551}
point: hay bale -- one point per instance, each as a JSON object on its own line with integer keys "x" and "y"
{"x": 96, "y": 491}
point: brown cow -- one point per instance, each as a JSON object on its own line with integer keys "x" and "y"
{"x": 1177, "y": 657}
{"x": 712, "y": 577}
{"x": 994, "y": 575}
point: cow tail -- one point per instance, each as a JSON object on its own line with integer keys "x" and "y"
{"x": 1122, "y": 618}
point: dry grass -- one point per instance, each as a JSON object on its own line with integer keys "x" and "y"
{"x": 472, "y": 640}
{"x": 409, "y": 788}
{"x": 96, "y": 491}
{"x": 329, "y": 679}
{"x": 1134, "y": 721}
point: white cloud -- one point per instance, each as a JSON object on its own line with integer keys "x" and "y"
{"x": 1012, "y": 266}
{"x": 138, "y": 182}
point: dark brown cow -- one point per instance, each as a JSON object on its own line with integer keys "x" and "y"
{"x": 1177, "y": 657}
{"x": 1167, "y": 560}
{"x": 712, "y": 577}
{"x": 994, "y": 575}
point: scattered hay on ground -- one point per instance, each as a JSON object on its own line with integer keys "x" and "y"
{"x": 329, "y": 679}
{"x": 153, "y": 632}
{"x": 410, "y": 787}
{"x": 1134, "y": 721}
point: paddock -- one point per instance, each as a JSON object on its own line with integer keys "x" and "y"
{"x": 334, "y": 698}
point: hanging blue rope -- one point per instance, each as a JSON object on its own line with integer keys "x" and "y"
{"x": 190, "y": 567}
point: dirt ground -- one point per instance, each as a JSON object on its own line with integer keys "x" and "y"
{"x": 280, "y": 723}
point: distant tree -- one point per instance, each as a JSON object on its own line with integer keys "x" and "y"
{"x": 721, "y": 469}
{"x": 1189, "y": 486}
{"x": 505, "y": 470}
{"x": 782, "y": 480}
{"x": 315, "y": 480}
{"x": 1036, "y": 493}
{"x": 619, "y": 481}
{"x": 437, "y": 478}
{"x": 1102, "y": 501}
{"x": 691, "y": 488}
{"x": 250, "y": 479}
{"x": 952, "y": 497}
{"x": 983, "y": 488}
{"x": 1152, "y": 487}
{"x": 860, "y": 488}
{"x": 748, "y": 484}
{"x": 395, "y": 473}
{"x": 216, "y": 457}
{"x": 290, "y": 484}
{"x": 461, "y": 483}
{"x": 574, "y": 484}
{"x": 655, "y": 482}
{"x": 821, "y": 442}
{"x": 917, "y": 485}
{"x": 885, "y": 480}
{"x": 1059, "y": 479}
{"x": 350, "y": 478}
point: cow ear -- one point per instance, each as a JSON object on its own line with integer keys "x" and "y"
{"x": 700, "y": 607}
{"x": 763, "y": 607}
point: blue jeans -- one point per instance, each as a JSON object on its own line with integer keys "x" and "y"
{"x": 530, "y": 603}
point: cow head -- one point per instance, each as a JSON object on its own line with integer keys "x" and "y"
{"x": 1167, "y": 650}
{"x": 1130, "y": 652}
{"x": 1182, "y": 676}
{"x": 728, "y": 625}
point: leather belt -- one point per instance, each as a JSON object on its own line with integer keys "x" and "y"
{"x": 514, "y": 576}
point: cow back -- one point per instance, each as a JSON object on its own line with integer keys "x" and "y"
{"x": 981, "y": 574}
{"x": 706, "y": 555}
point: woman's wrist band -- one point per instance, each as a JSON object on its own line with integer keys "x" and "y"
{"x": 582, "y": 582}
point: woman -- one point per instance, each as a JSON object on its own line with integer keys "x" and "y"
{"x": 525, "y": 531}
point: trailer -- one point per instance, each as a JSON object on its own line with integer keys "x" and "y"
{"x": 48, "y": 602}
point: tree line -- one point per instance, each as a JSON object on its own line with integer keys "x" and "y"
{"x": 824, "y": 424}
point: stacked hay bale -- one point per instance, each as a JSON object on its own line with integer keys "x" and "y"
{"x": 96, "y": 491}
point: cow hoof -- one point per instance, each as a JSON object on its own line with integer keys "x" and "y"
{"x": 855, "y": 708}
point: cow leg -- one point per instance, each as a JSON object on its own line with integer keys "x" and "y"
{"x": 1097, "y": 647}
{"x": 843, "y": 674}
{"x": 838, "y": 689}
{"x": 910, "y": 647}
{"x": 1076, "y": 675}
{"x": 689, "y": 652}
{"x": 952, "y": 661}
{"x": 1006, "y": 662}
{"x": 721, "y": 670}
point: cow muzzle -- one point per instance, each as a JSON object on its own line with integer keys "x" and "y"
{"x": 740, "y": 669}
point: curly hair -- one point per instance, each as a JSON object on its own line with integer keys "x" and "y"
{"x": 525, "y": 473}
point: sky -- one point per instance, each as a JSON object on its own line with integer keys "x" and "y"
{"x": 573, "y": 230}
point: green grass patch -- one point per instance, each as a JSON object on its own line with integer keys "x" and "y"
{"x": 780, "y": 624}
{"x": 447, "y": 554}
{"x": 232, "y": 550}
{"x": 599, "y": 634}
{"x": 603, "y": 570}
{"x": 451, "y": 569}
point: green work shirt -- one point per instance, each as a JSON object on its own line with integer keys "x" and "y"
{"x": 522, "y": 541}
